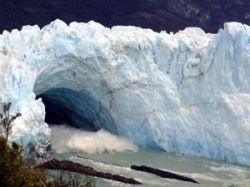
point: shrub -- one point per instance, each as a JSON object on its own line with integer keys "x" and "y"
{"x": 15, "y": 171}
{"x": 66, "y": 178}
{"x": 7, "y": 120}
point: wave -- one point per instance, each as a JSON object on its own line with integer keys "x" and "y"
{"x": 66, "y": 139}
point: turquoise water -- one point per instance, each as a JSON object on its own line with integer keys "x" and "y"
{"x": 208, "y": 173}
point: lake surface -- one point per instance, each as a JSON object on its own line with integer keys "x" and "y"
{"x": 208, "y": 173}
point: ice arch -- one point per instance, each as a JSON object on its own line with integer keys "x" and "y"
{"x": 186, "y": 92}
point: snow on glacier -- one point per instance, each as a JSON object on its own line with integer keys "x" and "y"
{"x": 187, "y": 92}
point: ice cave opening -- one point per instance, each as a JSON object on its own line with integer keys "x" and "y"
{"x": 76, "y": 109}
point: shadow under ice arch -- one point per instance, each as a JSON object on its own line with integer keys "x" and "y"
{"x": 76, "y": 109}
{"x": 67, "y": 86}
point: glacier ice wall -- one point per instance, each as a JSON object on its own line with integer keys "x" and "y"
{"x": 187, "y": 92}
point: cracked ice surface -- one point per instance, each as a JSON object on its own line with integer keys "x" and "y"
{"x": 187, "y": 92}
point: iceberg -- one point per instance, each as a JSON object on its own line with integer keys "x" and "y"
{"x": 186, "y": 92}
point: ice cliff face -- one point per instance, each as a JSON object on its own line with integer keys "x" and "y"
{"x": 187, "y": 92}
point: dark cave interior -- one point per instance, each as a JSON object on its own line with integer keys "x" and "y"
{"x": 75, "y": 109}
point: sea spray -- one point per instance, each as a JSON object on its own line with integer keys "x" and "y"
{"x": 66, "y": 139}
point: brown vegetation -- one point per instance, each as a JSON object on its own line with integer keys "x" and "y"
{"x": 15, "y": 171}
{"x": 7, "y": 120}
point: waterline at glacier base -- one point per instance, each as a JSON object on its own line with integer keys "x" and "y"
{"x": 109, "y": 154}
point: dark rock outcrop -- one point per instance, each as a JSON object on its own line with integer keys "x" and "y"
{"x": 163, "y": 174}
{"x": 86, "y": 170}
{"x": 169, "y": 15}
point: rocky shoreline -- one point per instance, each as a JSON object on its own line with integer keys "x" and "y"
{"x": 66, "y": 165}
{"x": 163, "y": 174}
{"x": 86, "y": 170}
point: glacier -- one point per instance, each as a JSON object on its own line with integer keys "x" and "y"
{"x": 186, "y": 92}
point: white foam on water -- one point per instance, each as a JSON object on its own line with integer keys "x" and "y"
{"x": 65, "y": 139}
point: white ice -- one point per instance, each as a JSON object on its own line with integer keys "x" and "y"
{"x": 187, "y": 92}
